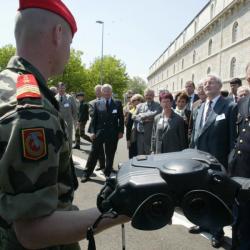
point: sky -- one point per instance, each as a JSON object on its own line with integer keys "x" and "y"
{"x": 135, "y": 31}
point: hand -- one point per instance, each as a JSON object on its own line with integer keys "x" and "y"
{"x": 128, "y": 144}
{"x": 92, "y": 137}
{"x": 120, "y": 135}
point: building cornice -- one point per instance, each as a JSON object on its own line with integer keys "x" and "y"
{"x": 208, "y": 28}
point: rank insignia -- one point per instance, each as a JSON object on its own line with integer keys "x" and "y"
{"x": 27, "y": 87}
{"x": 34, "y": 143}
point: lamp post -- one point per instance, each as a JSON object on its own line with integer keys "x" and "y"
{"x": 101, "y": 71}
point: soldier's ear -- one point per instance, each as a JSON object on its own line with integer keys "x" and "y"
{"x": 57, "y": 34}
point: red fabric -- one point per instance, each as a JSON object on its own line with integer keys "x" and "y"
{"x": 56, "y": 6}
{"x": 27, "y": 87}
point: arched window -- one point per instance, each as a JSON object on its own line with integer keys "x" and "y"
{"x": 210, "y": 46}
{"x": 174, "y": 69}
{"x": 182, "y": 64}
{"x": 212, "y": 11}
{"x": 235, "y": 32}
{"x": 194, "y": 57}
{"x": 233, "y": 67}
{"x": 192, "y": 77}
{"x": 181, "y": 84}
{"x": 167, "y": 73}
{"x": 208, "y": 70}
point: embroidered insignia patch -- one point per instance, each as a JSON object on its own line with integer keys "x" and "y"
{"x": 34, "y": 143}
{"x": 27, "y": 87}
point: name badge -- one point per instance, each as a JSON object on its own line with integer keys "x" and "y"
{"x": 66, "y": 105}
{"x": 221, "y": 117}
{"x": 114, "y": 111}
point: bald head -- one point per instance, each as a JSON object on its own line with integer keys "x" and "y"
{"x": 43, "y": 38}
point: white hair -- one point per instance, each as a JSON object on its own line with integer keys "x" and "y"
{"x": 106, "y": 86}
{"x": 216, "y": 78}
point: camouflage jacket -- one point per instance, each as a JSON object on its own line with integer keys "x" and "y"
{"x": 36, "y": 173}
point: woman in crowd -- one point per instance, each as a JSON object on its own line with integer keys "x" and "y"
{"x": 168, "y": 133}
{"x": 130, "y": 126}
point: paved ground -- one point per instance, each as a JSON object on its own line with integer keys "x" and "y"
{"x": 173, "y": 237}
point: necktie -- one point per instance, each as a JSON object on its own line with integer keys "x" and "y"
{"x": 209, "y": 110}
{"x": 61, "y": 98}
{"x": 236, "y": 98}
{"x": 107, "y": 105}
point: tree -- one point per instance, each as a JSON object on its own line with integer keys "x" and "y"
{"x": 137, "y": 84}
{"x": 114, "y": 73}
{"x": 6, "y": 53}
{"x": 75, "y": 75}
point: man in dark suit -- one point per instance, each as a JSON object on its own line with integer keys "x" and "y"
{"x": 239, "y": 165}
{"x": 235, "y": 83}
{"x": 107, "y": 127}
{"x": 214, "y": 131}
{"x": 192, "y": 97}
{"x": 98, "y": 94}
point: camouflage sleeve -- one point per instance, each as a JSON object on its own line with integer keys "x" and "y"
{"x": 30, "y": 142}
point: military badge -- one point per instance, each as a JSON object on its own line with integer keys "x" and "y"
{"x": 34, "y": 143}
{"x": 27, "y": 87}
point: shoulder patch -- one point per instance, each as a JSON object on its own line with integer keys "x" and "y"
{"x": 27, "y": 87}
{"x": 34, "y": 143}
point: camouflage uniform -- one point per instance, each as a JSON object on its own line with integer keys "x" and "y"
{"x": 36, "y": 171}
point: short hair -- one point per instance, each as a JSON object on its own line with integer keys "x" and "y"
{"x": 224, "y": 93}
{"x": 61, "y": 84}
{"x": 130, "y": 91}
{"x": 217, "y": 78}
{"x": 137, "y": 97}
{"x": 182, "y": 95}
{"x": 98, "y": 86}
{"x": 148, "y": 90}
{"x": 236, "y": 81}
{"x": 106, "y": 86}
{"x": 243, "y": 88}
{"x": 166, "y": 96}
{"x": 191, "y": 83}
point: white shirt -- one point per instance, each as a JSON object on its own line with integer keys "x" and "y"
{"x": 214, "y": 100}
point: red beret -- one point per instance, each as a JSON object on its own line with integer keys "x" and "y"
{"x": 56, "y": 6}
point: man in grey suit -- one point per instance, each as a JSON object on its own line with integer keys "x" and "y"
{"x": 214, "y": 131}
{"x": 144, "y": 119}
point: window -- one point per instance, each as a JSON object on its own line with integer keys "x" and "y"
{"x": 181, "y": 84}
{"x": 182, "y": 64}
{"x": 211, "y": 11}
{"x": 194, "y": 57}
{"x": 173, "y": 86}
{"x": 210, "y": 45}
{"x": 167, "y": 73}
{"x": 195, "y": 26}
{"x": 208, "y": 70}
{"x": 233, "y": 67}
{"x": 174, "y": 69}
{"x": 192, "y": 77}
{"x": 235, "y": 32}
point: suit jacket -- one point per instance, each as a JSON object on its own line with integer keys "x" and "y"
{"x": 196, "y": 98}
{"x": 107, "y": 123}
{"x": 240, "y": 155}
{"x": 169, "y": 138}
{"x": 217, "y": 136}
{"x": 83, "y": 112}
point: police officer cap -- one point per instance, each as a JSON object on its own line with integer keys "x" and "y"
{"x": 80, "y": 94}
{"x": 55, "y": 6}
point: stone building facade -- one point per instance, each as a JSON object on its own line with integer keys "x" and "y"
{"x": 216, "y": 41}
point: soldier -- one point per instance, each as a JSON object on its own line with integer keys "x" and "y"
{"x": 67, "y": 107}
{"x": 36, "y": 177}
{"x": 239, "y": 166}
{"x": 83, "y": 116}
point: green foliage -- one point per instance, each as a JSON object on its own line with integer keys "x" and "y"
{"x": 137, "y": 84}
{"x": 114, "y": 73}
{"x": 6, "y": 53}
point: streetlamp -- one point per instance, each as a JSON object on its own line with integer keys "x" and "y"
{"x": 101, "y": 71}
